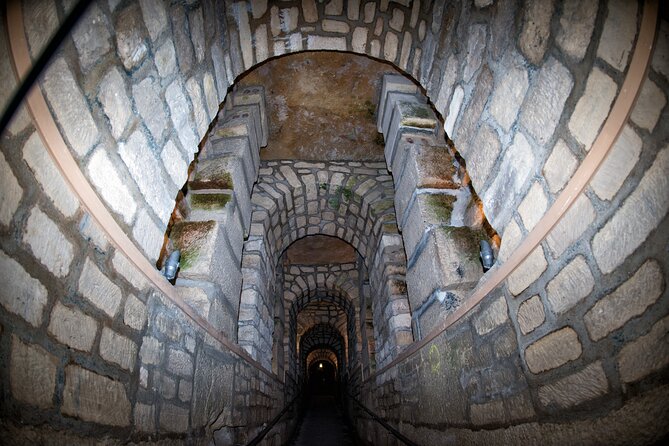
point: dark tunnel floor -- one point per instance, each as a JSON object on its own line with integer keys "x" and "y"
{"x": 323, "y": 424}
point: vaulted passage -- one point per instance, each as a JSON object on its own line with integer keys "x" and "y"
{"x": 396, "y": 222}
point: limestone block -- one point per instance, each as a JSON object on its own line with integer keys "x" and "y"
{"x": 105, "y": 177}
{"x": 185, "y": 390}
{"x": 619, "y": 31}
{"x": 645, "y": 355}
{"x": 199, "y": 108}
{"x": 166, "y": 386}
{"x": 128, "y": 271}
{"x": 212, "y": 388}
{"x": 134, "y": 313}
{"x": 397, "y": 20}
{"x": 406, "y": 50}
{"x": 553, "y": 350}
{"x": 32, "y": 374}
{"x": 617, "y": 165}
{"x": 509, "y": 94}
{"x": 196, "y": 28}
{"x": 335, "y": 26}
{"x": 130, "y": 43}
{"x": 72, "y": 327}
{"x": 179, "y": 362}
{"x": 211, "y": 205}
{"x": 210, "y": 94}
{"x": 516, "y": 167}
{"x": 151, "y": 351}
{"x": 145, "y": 417}
{"x": 70, "y": 108}
{"x": 577, "y": 388}
{"x": 421, "y": 166}
{"x": 155, "y": 17}
{"x": 239, "y": 148}
{"x": 571, "y": 285}
{"x": 202, "y": 256}
{"x": 359, "y": 39}
{"x": 27, "y": 296}
{"x": 391, "y": 99}
{"x": 528, "y": 271}
{"x": 148, "y": 235}
{"x": 487, "y": 413}
{"x": 476, "y": 44}
{"x": 197, "y": 297}
{"x": 531, "y": 314}
{"x": 533, "y": 207}
{"x": 592, "y": 107}
{"x": 545, "y": 100}
{"x": 91, "y": 37}
{"x": 453, "y": 110}
{"x": 326, "y": 43}
{"x": 151, "y": 107}
{"x": 47, "y": 174}
{"x": 181, "y": 117}
{"x": 646, "y": 207}
{"x": 660, "y": 61}
{"x": 482, "y": 156}
{"x": 569, "y": 229}
{"x": 165, "y": 59}
{"x": 115, "y": 102}
{"x": 408, "y": 117}
{"x": 309, "y": 11}
{"x": 649, "y": 106}
{"x": 175, "y": 164}
{"x": 559, "y": 166}
{"x": 534, "y": 37}
{"x": 92, "y": 397}
{"x": 492, "y": 316}
{"x": 447, "y": 266}
{"x": 118, "y": 349}
{"x": 95, "y": 287}
{"x": 510, "y": 240}
{"x": 629, "y": 300}
{"x": 425, "y": 211}
{"x": 258, "y": 8}
{"x": 577, "y": 22}
{"x": 391, "y": 82}
{"x": 369, "y": 12}
{"x": 241, "y": 122}
{"x": 12, "y": 192}
{"x": 48, "y": 243}
{"x": 251, "y": 95}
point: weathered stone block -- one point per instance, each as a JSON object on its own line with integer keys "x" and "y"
{"x": 237, "y": 148}
{"x": 649, "y": 106}
{"x": 577, "y": 22}
{"x": 577, "y": 388}
{"x": 559, "y": 167}
{"x": 118, "y": 349}
{"x": 41, "y": 22}
{"x": 573, "y": 224}
{"x": 151, "y": 351}
{"x": 629, "y": 300}
{"x": 107, "y": 181}
{"x": 533, "y": 206}
{"x": 27, "y": 296}
{"x": 148, "y": 235}
{"x": 130, "y": 43}
{"x": 483, "y": 153}
{"x": 517, "y": 165}
{"x": 145, "y": 417}
{"x": 534, "y": 37}
{"x": 175, "y": 164}
{"x": 494, "y": 315}
{"x": 155, "y": 17}
{"x": 646, "y": 355}
{"x": 509, "y": 94}
{"x": 151, "y": 107}
{"x": 619, "y": 31}
{"x": 95, "y": 287}
{"x": 527, "y": 272}
{"x": 392, "y": 83}
{"x": 70, "y": 107}
{"x": 134, "y": 313}
{"x": 92, "y": 397}
{"x": 48, "y": 243}
{"x": 32, "y": 374}
{"x": 448, "y": 265}
{"x": 570, "y": 286}
{"x": 181, "y": 117}
{"x": 145, "y": 170}
{"x": 424, "y": 212}
{"x": 91, "y": 37}
{"x": 251, "y": 95}
{"x": 553, "y": 350}
{"x": 197, "y": 297}
{"x": 592, "y": 107}
{"x": 212, "y": 388}
{"x": 617, "y": 165}
{"x": 242, "y": 122}
{"x": 531, "y": 314}
{"x": 115, "y": 102}
{"x": 166, "y": 59}
{"x": 72, "y": 327}
{"x": 545, "y": 101}
{"x": 408, "y": 117}
{"x": 179, "y": 362}
{"x": 646, "y": 206}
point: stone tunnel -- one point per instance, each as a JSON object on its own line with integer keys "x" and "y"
{"x": 335, "y": 176}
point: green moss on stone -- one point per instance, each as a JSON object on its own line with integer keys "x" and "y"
{"x": 209, "y": 202}
{"x": 212, "y": 180}
{"x": 189, "y": 237}
{"x": 467, "y": 239}
{"x": 333, "y": 202}
{"x": 441, "y": 206}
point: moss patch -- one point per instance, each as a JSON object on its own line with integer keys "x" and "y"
{"x": 211, "y": 179}
{"x": 467, "y": 239}
{"x": 441, "y": 206}
{"x": 189, "y": 238}
{"x": 209, "y": 202}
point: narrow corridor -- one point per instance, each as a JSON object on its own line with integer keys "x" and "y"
{"x": 323, "y": 424}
